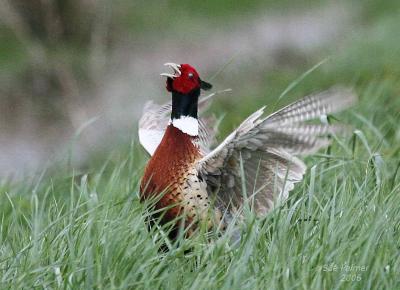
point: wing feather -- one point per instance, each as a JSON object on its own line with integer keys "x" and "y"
{"x": 266, "y": 147}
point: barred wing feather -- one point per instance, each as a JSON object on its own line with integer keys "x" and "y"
{"x": 266, "y": 149}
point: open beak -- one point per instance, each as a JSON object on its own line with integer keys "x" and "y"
{"x": 175, "y": 67}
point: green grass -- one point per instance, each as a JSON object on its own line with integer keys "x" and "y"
{"x": 87, "y": 230}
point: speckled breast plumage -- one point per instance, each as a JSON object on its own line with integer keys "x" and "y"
{"x": 172, "y": 173}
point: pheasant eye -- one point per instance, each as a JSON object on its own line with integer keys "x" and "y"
{"x": 190, "y": 75}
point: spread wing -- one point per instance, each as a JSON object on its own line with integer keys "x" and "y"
{"x": 155, "y": 120}
{"x": 257, "y": 162}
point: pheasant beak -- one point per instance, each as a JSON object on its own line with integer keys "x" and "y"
{"x": 175, "y": 67}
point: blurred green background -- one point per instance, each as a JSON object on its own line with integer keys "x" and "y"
{"x": 75, "y": 74}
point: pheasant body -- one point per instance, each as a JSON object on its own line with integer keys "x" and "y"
{"x": 256, "y": 165}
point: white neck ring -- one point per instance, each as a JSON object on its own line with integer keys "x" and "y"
{"x": 186, "y": 124}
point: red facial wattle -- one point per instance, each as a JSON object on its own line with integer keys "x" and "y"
{"x": 184, "y": 79}
{"x": 186, "y": 82}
